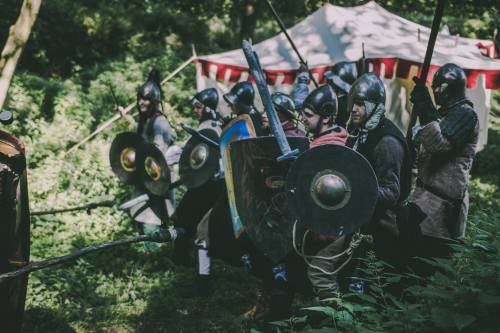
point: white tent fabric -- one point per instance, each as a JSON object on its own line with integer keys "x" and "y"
{"x": 394, "y": 50}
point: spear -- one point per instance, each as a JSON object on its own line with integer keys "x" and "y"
{"x": 88, "y": 207}
{"x": 438, "y": 15}
{"x": 283, "y": 28}
{"x": 162, "y": 236}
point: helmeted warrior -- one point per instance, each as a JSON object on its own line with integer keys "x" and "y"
{"x": 384, "y": 146}
{"x": 154, "y": 127}
{"x": 446, "y": 143}
{"x": 204, "y": 104}
{"x": 340, "y": 78}
{"x": 287, "y": 113}
{"x": 241, "y": 101}
{"x": 197, "y": 201}
{"x": 320, "y": 112}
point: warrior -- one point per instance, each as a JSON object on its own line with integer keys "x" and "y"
{"x": 446, "y": 142}
{"x": 197, "y": 201}
{"x": 320, "y": 112}
{"x": 214, "y": 234}
{"x": 241, "y": 101}
{"x": 385, "y": 148}
{"x": 287, "y": 114}
{"x": 153, "y": 127}
{"x": 340, "y": 78}
{"x": 282, "y": 279}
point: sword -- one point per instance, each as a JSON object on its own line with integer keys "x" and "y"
{"x": 438, "y": 14}
{"x": 103, "y": 203}
{"x": 260, "y": 81}
{"x": 162, "y": 236}
{"x": 283, "y": 28}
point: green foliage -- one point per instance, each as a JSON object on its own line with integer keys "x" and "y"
{"x": 71, "y": 36}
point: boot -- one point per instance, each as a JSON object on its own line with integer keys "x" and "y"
{"x": 261, "y": 307}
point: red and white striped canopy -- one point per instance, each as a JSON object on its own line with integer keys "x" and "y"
{"x": 331, "y": 34}
{"x": 394, "y": 50}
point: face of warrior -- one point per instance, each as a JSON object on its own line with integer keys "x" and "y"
{"x": 438, "y": 93}
{"x": 358, "y": 114}
{"x": 311, "y": 121}
{"x": 198, "y": 109}
{"x": 143, "y": 105}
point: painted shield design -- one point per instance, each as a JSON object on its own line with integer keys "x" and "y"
{"x": 239, "y": 128}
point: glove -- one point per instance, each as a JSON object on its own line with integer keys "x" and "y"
{"x": 422, "y": 103}
{"x": 303, "y": 68}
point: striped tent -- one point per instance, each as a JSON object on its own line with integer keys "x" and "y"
{"x": 394, "y": 50}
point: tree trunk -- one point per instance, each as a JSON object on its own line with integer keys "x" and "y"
{"x": 248, "y": 19}
{"x": 18, "y": 36}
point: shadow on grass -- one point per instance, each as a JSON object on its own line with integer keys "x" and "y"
{"x": 174, "y": 306}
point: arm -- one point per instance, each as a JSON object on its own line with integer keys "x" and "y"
{"x": 451, "y": 133}
{"x": 164, "y": 135}
{"x": 300, "y": 90}
{"x": 432, "y": 139}
{"x": 130, "y": 120}
{"x": 389, "y": 155}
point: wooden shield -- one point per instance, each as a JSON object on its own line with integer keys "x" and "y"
{"x": 14, "y": 231}
{"x": 259, "y": 187}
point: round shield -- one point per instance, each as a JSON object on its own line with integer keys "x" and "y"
{"x": 153, "y": 169}
{"x": 199, "y": 161}
{"x": 123, "y": 156}
{"x": 259, "y": 191}
{"x": 332, "y": 190}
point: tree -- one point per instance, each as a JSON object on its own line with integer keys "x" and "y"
{"x": 18, "y": 36}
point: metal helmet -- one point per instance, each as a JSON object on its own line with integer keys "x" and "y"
{"x": 151, "y": 91}
{"x": 449, "y": 84}
{"x": 322, "y": 101}
{"x": 367, "y": 88}
{"x": 209, "y": 98}
{"x": 342, "y": 75}
{"x": 241, "y": 97}
{"x": 284, "y": 103}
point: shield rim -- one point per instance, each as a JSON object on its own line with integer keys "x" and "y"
{"x": 183, "y": 172}
{"x": 294, "y": 178}
{"x": 149, "y": 150}
{"x": 115, "y": 163}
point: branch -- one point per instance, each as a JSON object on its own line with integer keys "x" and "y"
{"x": 18, "y": 37}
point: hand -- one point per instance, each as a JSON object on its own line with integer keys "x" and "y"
{"x": 121, "y": 110}
{"x": 422, "y": 103}
{"x": 303, "y": 68}
{"x": 420, "y": 92}
{"x": 265, "y": 120}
